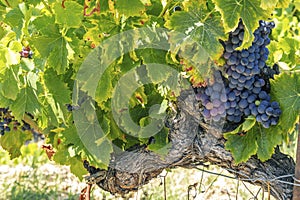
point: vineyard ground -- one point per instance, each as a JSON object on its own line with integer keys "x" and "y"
{"x": 35, "y": 177}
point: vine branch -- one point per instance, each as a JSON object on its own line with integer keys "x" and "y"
{"x": 193, "y": 145}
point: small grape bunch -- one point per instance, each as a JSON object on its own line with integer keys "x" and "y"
{"x": 26, "y": 53}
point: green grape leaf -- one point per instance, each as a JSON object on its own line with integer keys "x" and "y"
{"x": 53, "y": 46}
{"x": 15, "y": 46}
{"x": 161, "y": 143}
{"x": 7, "y": 58}
{"x": 275, "y": 53}
{"x": 26, "y": 101}
{"x": 58, "y": 94}
{"x": 155, "y": 8}
{"x": 105, "y": 24}
{"x": 8, "y": 36}
{"x": 261, "y": 142}
{"x": 250, "y": 12}
{"x": 10, "y": 87}
{"x": 242, "y": 147}
{"x": 197, "y": 25}
{"x": 61, "y": 93}
{"x": 34, "y": 2}
{"x": 49, "y": 116}
{"x": 115, "y": 131}
{"x": 4, "y": 103}
{"x": 267, "y": 140}
{"x": 130, "y": 7}
{"x": 56, "y": 48}
{"x": 104, "y": 5}
{"x": 69, "y": 16}
{"x": 248, "y": 123}
{"x": 297, "y": 4}
{"x": 13, "y": 140}
{"x": 3, "y": 32}
{"x": 77, "y": 167}
{"x": 97, "y": 146}
{"x": 289, "y": 46}
{"x": 58, "y": 57}
{"x": 265, "y": 4}
{"x": 152, "y": 55}
{"x": 45, "y": 25}
{"x": 15, "y": 19}
{"x": 283, "y": 3}
{"x": 61, "y": 155}
{"x": 286, "y": 91}
{"x": 104, "y": 89}
{"x": 72, "y": 137}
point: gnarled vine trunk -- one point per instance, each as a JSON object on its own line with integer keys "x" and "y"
{"x": 192, "y": 145}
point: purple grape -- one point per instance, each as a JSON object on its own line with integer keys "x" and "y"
{"x": 243, "y": 103}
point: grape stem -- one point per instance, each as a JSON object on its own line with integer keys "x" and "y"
{"x": 7, "y": 3}
{"x": 168, "y": 5}
{"x": 32, "y": 123}
{"x": 47, "y": 6}
{"x": 208, "y": 14}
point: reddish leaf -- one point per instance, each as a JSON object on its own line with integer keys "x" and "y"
{"x": 49, "y": 150}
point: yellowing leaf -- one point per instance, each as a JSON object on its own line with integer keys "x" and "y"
{"x": 249, "y": 11}
{"x": 200, "y": 27}
{"x": 129, "y": 7}
{"x": 266, "y": 4}
{"x": 13, "y": 141}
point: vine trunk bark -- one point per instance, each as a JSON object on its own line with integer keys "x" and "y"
{"x": 192, "y": 144}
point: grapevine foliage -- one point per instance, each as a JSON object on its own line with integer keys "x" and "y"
{"x": 45, "y": 47}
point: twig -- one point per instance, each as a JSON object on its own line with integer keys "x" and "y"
{"x": 32, "y": 123}
{"x": 255, "y": 196}
{"x": 269, "y": 192}
{"x": 201, "y": 180}
{"x": 237, "y": 189}
{"x": 7, "y": 3}
{"x": 214, "y": 173}
{"x": 211, "y": 184}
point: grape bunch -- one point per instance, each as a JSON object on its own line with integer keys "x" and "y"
{"x": 246, "y": 87}
{"x": 214, "y": 98}
{"x": 26, "y": 53}
{"x": 8, "y": 122}
{"x": 4, "y": 121}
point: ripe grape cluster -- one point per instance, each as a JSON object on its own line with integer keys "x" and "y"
{"x": 245, "y": 91}
{"x": 4, "y": 121}
{"x": 8, "y": 122}
{"x": 214, "y": 98}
